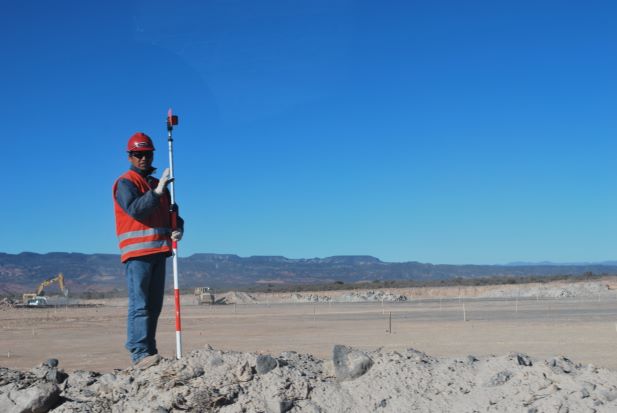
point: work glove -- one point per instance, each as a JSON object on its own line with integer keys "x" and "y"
{"x": 176, "y": 234}
{"x": 163, "y": 182}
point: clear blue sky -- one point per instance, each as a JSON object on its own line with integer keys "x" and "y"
{"x": 434, "y": 131}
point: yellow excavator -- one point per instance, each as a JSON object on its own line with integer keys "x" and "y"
{"x": 38, "y": 299}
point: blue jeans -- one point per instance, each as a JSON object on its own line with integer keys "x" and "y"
{"x": 145, "y": 277}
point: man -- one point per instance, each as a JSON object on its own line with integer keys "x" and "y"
{"x": 142, "y": 208}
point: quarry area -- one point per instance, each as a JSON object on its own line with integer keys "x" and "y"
{"x": 530, "y": 348}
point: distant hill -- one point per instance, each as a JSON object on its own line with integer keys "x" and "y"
{"x": 104, "y": 272}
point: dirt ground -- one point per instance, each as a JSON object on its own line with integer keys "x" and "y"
{"x": 582, "y": 329}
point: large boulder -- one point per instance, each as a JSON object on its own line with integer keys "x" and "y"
{"x": 348, "y": 363}
{"x": 265, "y": 363}
{"x": 38, "y": 398}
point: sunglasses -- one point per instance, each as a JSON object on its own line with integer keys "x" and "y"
{"x": 140, "y": 155}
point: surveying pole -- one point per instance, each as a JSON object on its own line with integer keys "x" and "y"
{"x": 172, "y": 120}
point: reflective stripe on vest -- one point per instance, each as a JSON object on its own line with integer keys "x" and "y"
{"x": 144, "y": 245}
{"x": 147, "y": 236}
{"x": 143, "y": 233}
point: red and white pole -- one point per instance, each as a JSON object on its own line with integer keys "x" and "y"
{"x": 171, "y": 121}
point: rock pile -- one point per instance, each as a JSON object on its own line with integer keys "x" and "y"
{"x": 353, "y": 381}
{"x": 360, "y": 296}
{"x": 550, "y": 290}
{"x": 7, "y": 302}
{"x": 236, "y": 297}
{"x": 372, "y": 295}
{"x": 309, "y": 298}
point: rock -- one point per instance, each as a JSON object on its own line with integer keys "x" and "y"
{"x": 471, "y": 359}
{"x": 500, "y": 378}
{"x": 265, "y": 364}
{"x": 6, "y": 404}
{"x": 286, "y": 405}
{"x": 56, "y": 376}
{"x": 349, "y": 364}
{"x": 589, "y": 386}
{"x": 82, "y": 378}
{"x": 523, "y": 360}
{"x": 289, "y": 354}
{"x": 420, "y": 356}
{"x": 279, "y": 406}
{"x": 205, "y": 399}
{"x": 38, "y": 398}
{"x": 40, "y": 371}
{"x": 106, "y": 383}
{"x": 609, "y": 395}
{"x": 561, "y": 365}
{"x": 244, "y": 372}
{"x": 307, "y": 406}
{"x": 108, "y": 378}
{"x": 216, "y": 361}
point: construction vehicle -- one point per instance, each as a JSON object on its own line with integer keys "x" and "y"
{"x": 204, "y": 295}
{"x": 38, "y": 298}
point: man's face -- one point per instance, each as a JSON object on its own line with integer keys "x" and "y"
{"x": 141, "y": 159}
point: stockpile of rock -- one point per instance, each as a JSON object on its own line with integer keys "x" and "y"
{"x": 352, "y": 381}
{"x": 561, "y": 290}
{"x": 309, "y": 298}
{"x": 372, "y": 295}
{"x": 7, "y": 303}
{"x": 236, "y": 297}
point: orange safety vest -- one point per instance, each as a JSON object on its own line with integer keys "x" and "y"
{"x": 151, "y": 235}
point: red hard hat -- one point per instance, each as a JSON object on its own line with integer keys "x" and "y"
{"x": 139, "y": 142}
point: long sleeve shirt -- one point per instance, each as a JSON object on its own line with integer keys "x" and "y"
{"x": 136, "y": 204}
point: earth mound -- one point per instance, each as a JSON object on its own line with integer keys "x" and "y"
{"x": 351, "y": 381}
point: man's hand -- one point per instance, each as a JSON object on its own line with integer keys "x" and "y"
{"x": 163, "y": 182}
{"x": 176, "y": 235}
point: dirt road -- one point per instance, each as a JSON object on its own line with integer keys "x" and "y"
{"x": 92, "y": 338}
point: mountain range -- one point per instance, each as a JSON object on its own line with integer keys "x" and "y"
{"x": 104, "y": 272}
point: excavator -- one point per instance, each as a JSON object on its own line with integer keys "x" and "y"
{"x": 37, "y": 298}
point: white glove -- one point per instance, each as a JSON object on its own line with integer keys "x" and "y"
{"x": 163, "y": 182}
{"x": 176, "y": 235}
